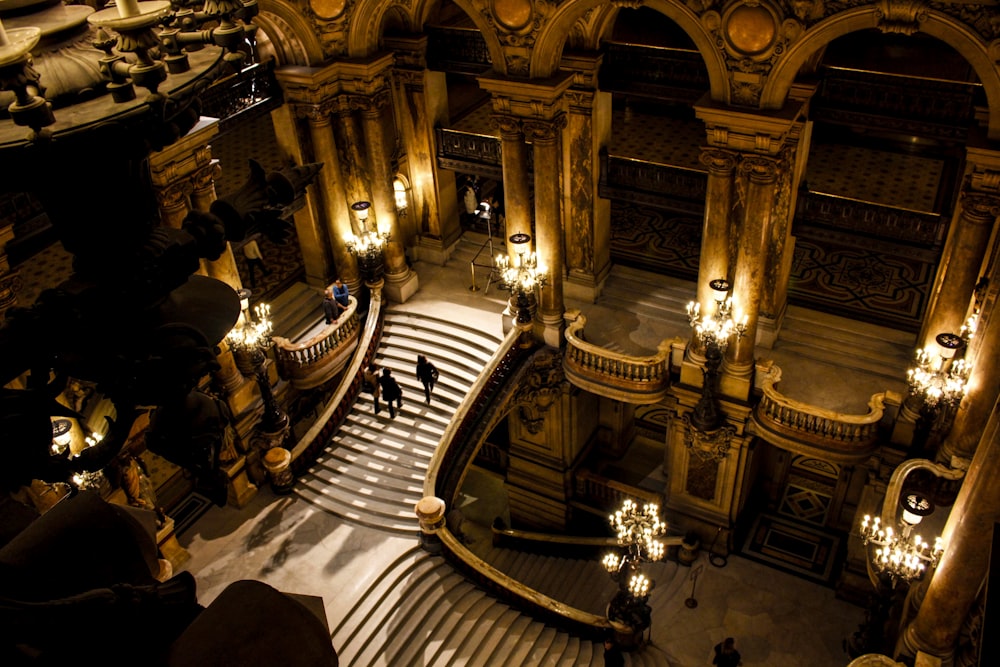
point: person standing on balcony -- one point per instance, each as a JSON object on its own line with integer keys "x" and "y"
{"x": 391, "y": 392}
{"x": 428, "y": 374}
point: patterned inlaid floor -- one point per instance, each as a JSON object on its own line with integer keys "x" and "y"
{"x": 872, "y": 281}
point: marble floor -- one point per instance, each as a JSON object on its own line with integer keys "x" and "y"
{"x": 779, "y": 620}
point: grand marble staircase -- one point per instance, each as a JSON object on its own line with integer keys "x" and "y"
{"x": 420, "y": 611}
{"x": 372, "y": 471}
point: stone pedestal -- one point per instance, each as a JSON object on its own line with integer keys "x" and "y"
{"x": 278, "y": 462}
{"x": 241, "y": 489}
{"x": 431, "y": 514}
{"x": 170, "y": 548}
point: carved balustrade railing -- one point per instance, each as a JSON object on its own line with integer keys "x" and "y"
{"x": 608, "y": 494}
{"x": 907, "y": 105}
{"x": 662, "y": 73}
{"x": 812, "y": 430}
{"x": 638, "y": 380}
{"x": 469, "y": 152}
{"x": 642, "y": 182}
{"x": 253, "y": 88}
{"x": 457, "y": 49}
{"x": 337, "y": 407}
{"x": 872, "y": 219}
{"x": 473, "y": 420}
{"x": 311, "y": 362}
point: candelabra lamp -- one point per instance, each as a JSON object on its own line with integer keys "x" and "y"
{"x": 521, "y": 274}
{"x": 900, "y": 554}
{"x": 368, "y": 247}
{"x": 637, "y": 529}
{"x": 250, "y": 339}
{"x": 937, "y": 384}
{"x": 713, "y": 331}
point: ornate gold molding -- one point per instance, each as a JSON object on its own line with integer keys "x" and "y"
{"x": 542, "y": 387}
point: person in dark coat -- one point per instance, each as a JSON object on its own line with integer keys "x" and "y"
{"x": 726, "y": 654}
{"x": 613, "y": 653}
{"x": 372, "y": 384}
{"x": 427, "y": 373}
{"x": 391, "y": 392}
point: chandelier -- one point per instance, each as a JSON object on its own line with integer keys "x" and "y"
{"x": 521, "y": 275}
{"x": 637, "y": 529}
{"x": 715, "y": 329}
{"x": 902, "y": 555}
{"x": 940, "y": 379}
{"x": 368, "y": 246}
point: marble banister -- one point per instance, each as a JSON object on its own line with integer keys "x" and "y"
{"x": 443, "y": 482}
{"x": 812, "y": 430}
{"x": 608, "y": 493}
{"x": 639, "y": 380}
{"x": 311, "y": 362}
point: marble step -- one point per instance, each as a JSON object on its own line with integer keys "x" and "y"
{"x": 296, "y": 311}
{"x": 355, "y": 630}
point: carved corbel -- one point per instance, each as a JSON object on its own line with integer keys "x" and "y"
{"x": 544, "y": 384}
{"x": 712, "y": 446}
{"x": 901, "y": 16}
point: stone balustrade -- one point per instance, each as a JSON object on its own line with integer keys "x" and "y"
{"x": 638, "y": 380}
{"x": 311, "y": 362}
{"x": 809, "y": 429}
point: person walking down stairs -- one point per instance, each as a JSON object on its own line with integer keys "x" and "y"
{"x": 391, "y": 392}
{"x": 428, "y": 374}
{"x": 371, "y": 384}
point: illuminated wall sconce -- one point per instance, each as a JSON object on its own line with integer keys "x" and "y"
{"x": 401, "y": 194}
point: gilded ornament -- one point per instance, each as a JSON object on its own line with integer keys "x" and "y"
{"x": 328, "y": 9}
{"x": 751, "y": 29}
{"x": 513, "y": 14}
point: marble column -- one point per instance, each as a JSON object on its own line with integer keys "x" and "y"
{"x": 350, "y": 149}
{"x": 758, "y": 176}
{"x": 960, "y": 265}
{"x": 967, "y": 536}
{"x": 716, "y": 235}
{"x": 432, "y": 215}
{"x": 332, "y": 200}
{"x": 516, "y": 184}
{"x": 383, "y": 200}
{"x": 544, "y": 136}
{"x": 588, "y": 216}
{"x": 984, "y": 381}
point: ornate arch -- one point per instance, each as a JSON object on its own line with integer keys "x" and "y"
{"x": 291, "y": 33}
{"x": 956, "y": 34}
{"x": 552, "y": 38}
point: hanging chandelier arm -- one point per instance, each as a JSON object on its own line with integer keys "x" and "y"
{"x": 895, "y": 487}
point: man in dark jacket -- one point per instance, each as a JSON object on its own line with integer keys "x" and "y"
{"x": 391, "y": 392}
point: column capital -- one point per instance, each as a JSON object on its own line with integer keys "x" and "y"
{"x": 316, "y": 114}
{"x": 980, "y": 207}
{"x": 509, "y": 126}
{"x": 544, "y": 131}
{"x": 174, "y": 195}
{"x": 718, "y": 160}
{"x": 410, "y": 77}
{"x": 760, "y": 169}
{"x": 371, "y": 105}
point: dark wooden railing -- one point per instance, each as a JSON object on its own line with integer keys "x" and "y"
{"x": 668, "y": 74}
{"x": 641, "y": 182}
{"x": 899, "y": 224}
{"x": 255, "y": 88}
{"x": 459, "y": 50}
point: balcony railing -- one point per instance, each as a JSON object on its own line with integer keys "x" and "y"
{"x": 811, "y": 430}
{"x": 639, "y": 380}
{"x": 313, "y": 361}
